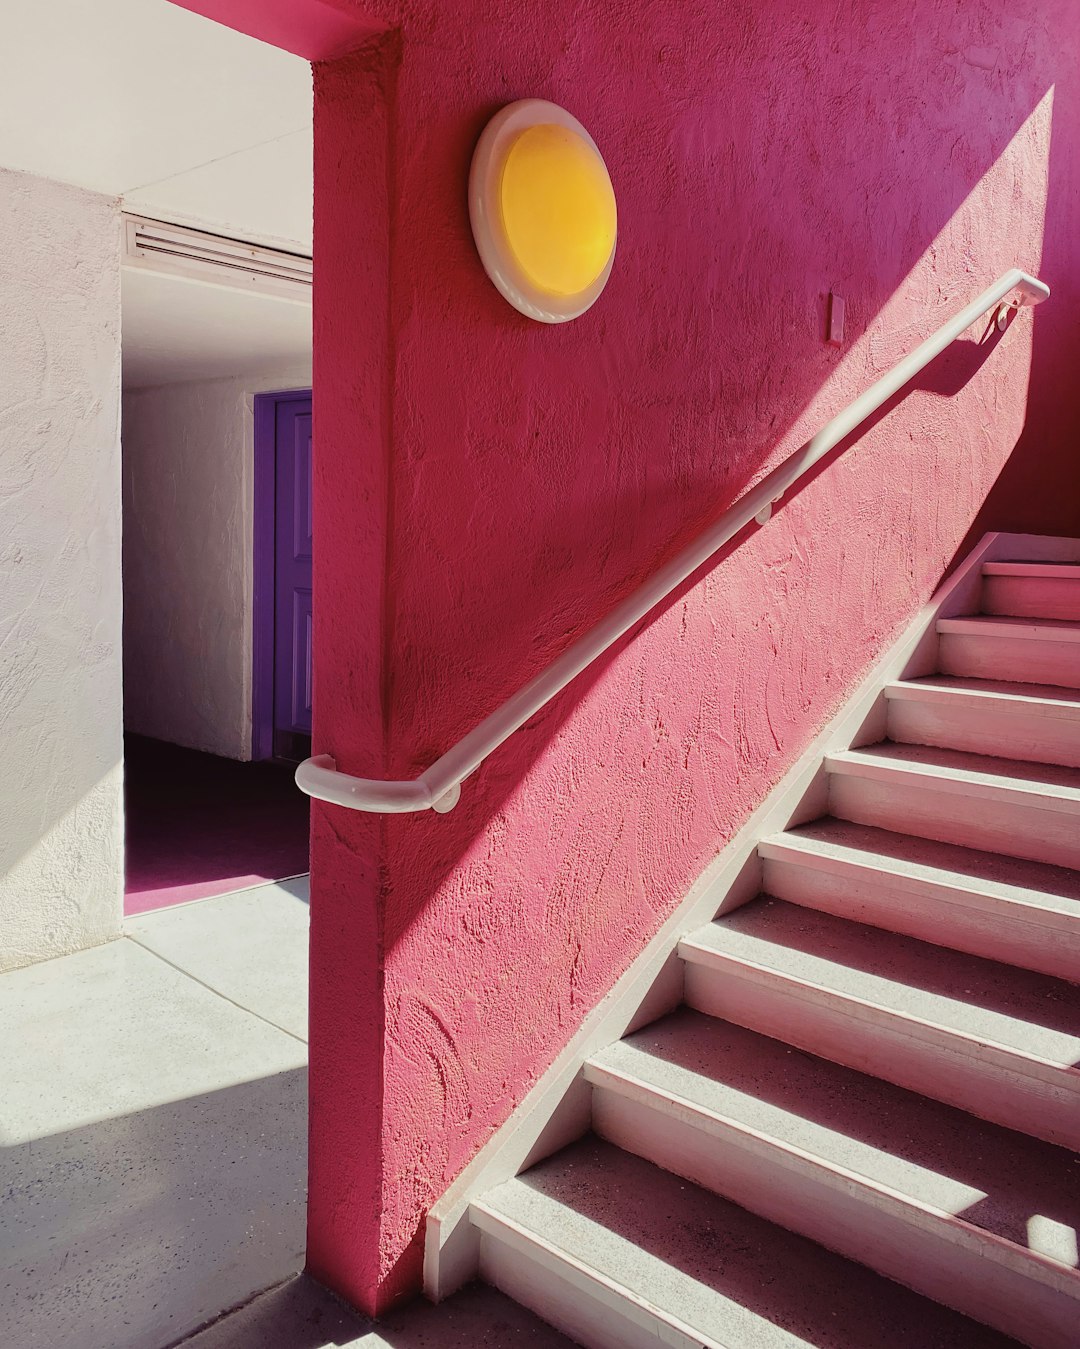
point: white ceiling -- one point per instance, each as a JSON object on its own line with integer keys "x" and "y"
{"x": 181, "y": 117}
{"x": 177, "y": 330}
{"x": 184, "y": 120}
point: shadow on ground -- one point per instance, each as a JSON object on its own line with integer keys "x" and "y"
{"x": 300, "y": 1314}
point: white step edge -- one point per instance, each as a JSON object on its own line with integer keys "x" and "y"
{"x": 928, "y": 1249}
{"x": 958, "y": 780}
{"x": 1037, "y": 651}
{"x": 1000, "y": 1083}
{"x": 972, "y": 801}
{"x": 1002, "y": 699}
{"x": 1015, "y": 629}
{"x": 576, "y": 1298}
{"x": 1064, "y": 571}
{"x": 1023, "y": 725}
{"x": 598, "y": 1221}
{"x": 1004, "y": 922}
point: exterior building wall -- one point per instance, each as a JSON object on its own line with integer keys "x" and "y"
{"x": 188, "y": 463}
{"x": 486, "y": 487}
{"x": 60, "y": 596}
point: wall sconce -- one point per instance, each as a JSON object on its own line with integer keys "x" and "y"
{"x": 543, "y": 210}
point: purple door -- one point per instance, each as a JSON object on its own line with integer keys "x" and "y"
{"x": 292, "y": 580}
{"x": 282, "y": 708}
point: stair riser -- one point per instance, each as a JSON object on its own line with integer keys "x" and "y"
{"x": 981, "y": 925}
{"x": 1032, "y": 597}
{"x": 1025, "y": 660}
{"x": 984, "y": 728}
{"x": 948, "y": 1261}
{"x": 988, "y": 822}
{"x": 588, "y": 1311}
{"x": 985, "y": 1080}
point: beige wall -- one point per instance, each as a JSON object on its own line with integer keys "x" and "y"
{"x": 60, "y": 594}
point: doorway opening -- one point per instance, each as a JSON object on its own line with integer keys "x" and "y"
{"x": 216, "y": 450}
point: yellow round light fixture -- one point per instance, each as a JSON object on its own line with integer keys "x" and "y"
{"x": 543, "y": 210}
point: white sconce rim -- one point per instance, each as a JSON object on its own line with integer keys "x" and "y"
{"x": 485, "y": 181}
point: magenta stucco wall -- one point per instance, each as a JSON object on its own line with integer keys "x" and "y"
{"x": 486, "y": 486}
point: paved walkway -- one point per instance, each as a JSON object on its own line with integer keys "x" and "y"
{"x": 153, "y": 1139}
{"x": 301, "y": 1315}
{"x": 153, "y": 1118}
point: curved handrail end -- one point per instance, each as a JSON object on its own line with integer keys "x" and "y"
{"x": 319, "y": 777}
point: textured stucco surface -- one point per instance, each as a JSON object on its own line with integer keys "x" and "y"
{"x": 188, "y": 476}
{"x": 485, "y": 487}
{"x": 60, "y": 791}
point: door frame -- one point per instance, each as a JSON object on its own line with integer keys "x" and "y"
{"x": 262, "y": 592}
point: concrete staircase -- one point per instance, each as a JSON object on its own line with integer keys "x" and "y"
{"x": 877, "y": 1068}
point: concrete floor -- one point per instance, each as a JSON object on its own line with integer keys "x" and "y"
{"x": 153, "y": 1120}
{"x": 153, "y": 1131}
{"x": 301, "y": 1315}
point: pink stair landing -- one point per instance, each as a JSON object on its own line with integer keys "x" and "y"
{"x": 861, "y": 1130}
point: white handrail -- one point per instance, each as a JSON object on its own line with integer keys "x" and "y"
{"x": 439, "y": 787}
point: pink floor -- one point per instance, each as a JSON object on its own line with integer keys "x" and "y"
{"x": 198, "y": 825}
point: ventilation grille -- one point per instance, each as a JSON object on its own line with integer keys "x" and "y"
{"x": 176, "y": 250}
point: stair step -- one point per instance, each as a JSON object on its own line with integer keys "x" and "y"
{"x": 622, "y": 1255}
{"x": 1008, "y": 806}
{"x": 1017, "y": 568}
{"x": 972, "y": 1215}
{"x": 1031, "y": 651}
{"x": 1003, "y": 908}
{"x": 992, "y": 1039}
{"x": 1039, "y": 723}
{"x": 1032, "y": 589}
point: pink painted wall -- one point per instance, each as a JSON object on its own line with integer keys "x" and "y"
{"x": 486, "y": 486}
{"x": 1039, "y": 486}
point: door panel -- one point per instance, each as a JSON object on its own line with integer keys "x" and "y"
{"x": 301, "y": 512}
{"x": 292, "y": 579}
{"x": 301, "y": 663}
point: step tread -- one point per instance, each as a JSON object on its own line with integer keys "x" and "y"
{"x": 1053, "y": 570}
{"x": 743, "y": 1282}
{"x": 932, "y": 1155}
{"x": 1006, "y": 625}
{"x": 960, "y": 770}
{"x": 1031, "y": 1015}
{"x": 1050, "y": 699}
{"x": 1037, "y": 886}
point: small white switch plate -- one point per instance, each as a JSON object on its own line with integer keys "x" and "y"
{"x": 835, "y": 337}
